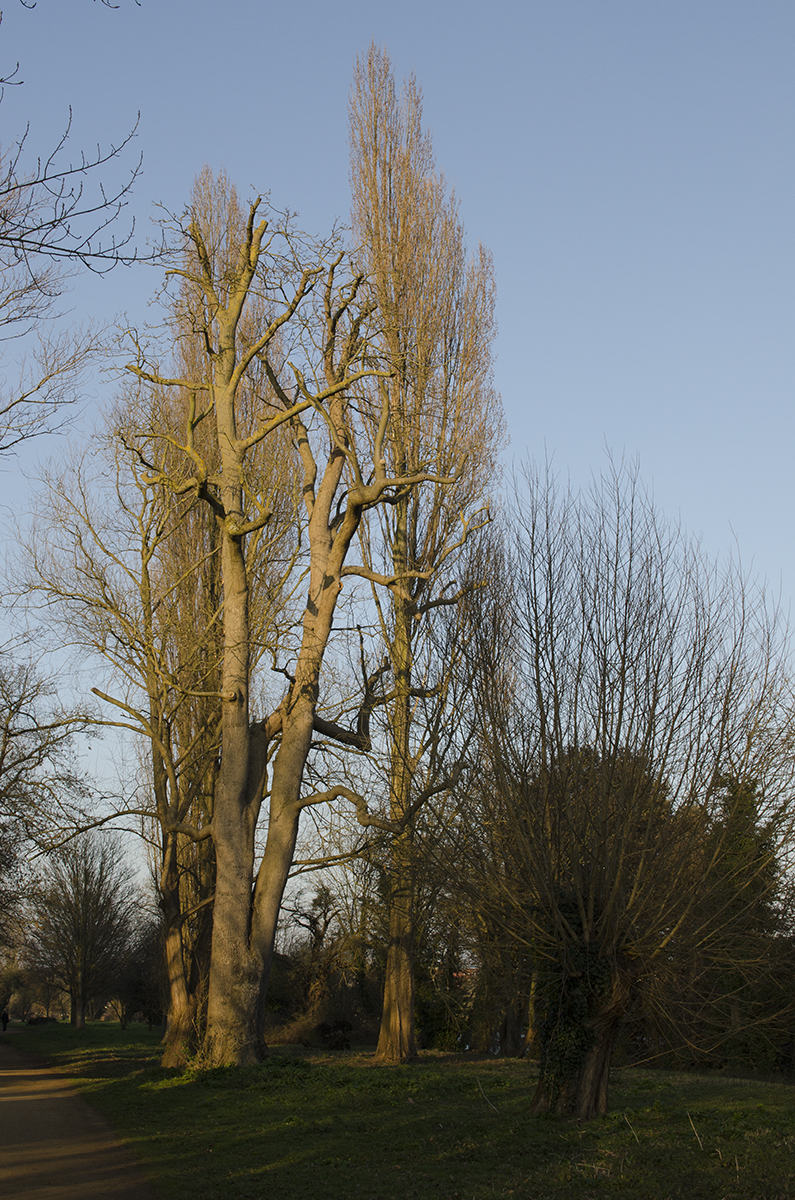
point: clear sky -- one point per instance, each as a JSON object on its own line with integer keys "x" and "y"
{"x": 629, "y": 164}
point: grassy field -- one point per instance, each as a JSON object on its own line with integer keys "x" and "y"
{"x": 328, "y": 1126}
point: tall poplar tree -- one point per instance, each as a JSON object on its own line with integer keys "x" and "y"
{"x": 435, "y": 330}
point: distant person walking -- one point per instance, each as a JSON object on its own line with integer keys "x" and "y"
{"x": 4, "y": 1019}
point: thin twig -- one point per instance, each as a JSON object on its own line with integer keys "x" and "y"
{"x": 485, "y": 1097}
{"x": 695, "y": 1131}
{"x": 626, "y": 1118}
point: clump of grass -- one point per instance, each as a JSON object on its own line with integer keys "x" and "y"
{"x": 306, "y": 1123}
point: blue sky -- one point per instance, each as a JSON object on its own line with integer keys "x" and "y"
{"x": 631, "y": 166}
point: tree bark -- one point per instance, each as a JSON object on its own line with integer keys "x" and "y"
{"x": 530, "y": 1036}
{"x": 78, "y": 1011}
{"x": 585, "y": 1095}
{"x": 584, "y": 1092}
{"x": 235, "y": 970}
{"x": 511, "y": 1032}
{"x": 397, "y": 1036}
{"x": 327, "y": 556}
{"x": 179, "y": 1021}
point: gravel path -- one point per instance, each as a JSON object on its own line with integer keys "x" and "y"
{"x": 53, "y": 1146}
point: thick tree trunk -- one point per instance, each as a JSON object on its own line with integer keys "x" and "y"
{"x": 591, "y": 1098}
{"x": 179, "y": 1022}
{"x": 78, "y": 1015}
{"x": 271, "y": 881}
{"x": 584, "y": 1093}
{"x": 327, "y": 556}
{"x": 397, "y": 1037}
{"x": 232, "y": 1037}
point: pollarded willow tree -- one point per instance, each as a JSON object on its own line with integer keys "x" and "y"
{"x": 435, "y": 331}
{"x": 623, "y": 680}
{"x": 301, "y": 367}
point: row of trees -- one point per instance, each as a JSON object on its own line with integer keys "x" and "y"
{"x": 292, "y": 375}
{"x": 563, "y": 729}
{"x": 614, "y": 860}
{"x": 615, "y": 845}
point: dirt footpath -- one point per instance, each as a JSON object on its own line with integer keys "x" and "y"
{"x": 53, "y": 1146}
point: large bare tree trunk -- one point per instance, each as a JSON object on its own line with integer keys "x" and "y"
{"x": 327, "y": 556}
{"x": 78, "y": 1014}
{"x": 179, "y": 1032}
{"x": 235, "y": 969}
{"x": 510, "y": 1034}
{"x": 397, "y": 1038}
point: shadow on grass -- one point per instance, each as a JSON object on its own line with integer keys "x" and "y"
{"x": 305, "y": 1124}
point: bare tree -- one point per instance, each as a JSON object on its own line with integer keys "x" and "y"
{"x": 104, "y": 564}
{"x": 301, "y": 371}
{"x": 435, "y": 330}
{"x": 623, "y": 679}
{"x": 58, "y": 214}
{"x": 41, "y": 791}
{"x": 82, "y": 915}
{"x": 130, "y": 574}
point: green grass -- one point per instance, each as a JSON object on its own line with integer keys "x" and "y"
{"x": 325, "y": 1126}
